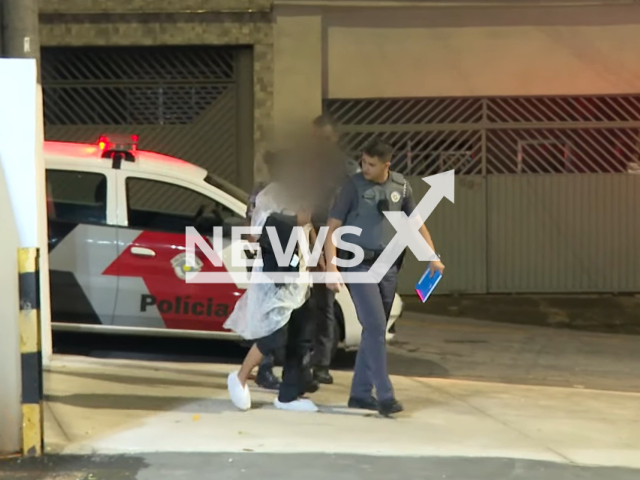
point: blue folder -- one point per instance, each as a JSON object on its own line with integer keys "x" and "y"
{"x": 427, "y": 284}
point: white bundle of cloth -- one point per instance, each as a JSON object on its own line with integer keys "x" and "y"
{"x": 265, "y": 307}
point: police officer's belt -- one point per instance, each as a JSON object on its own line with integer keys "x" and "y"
{"x": 370, "y": 256}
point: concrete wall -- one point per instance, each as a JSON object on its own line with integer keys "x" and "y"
{"x": 372, "y": 52}
{"x": 483, "y": 61}
{"x": 298, "y": 76}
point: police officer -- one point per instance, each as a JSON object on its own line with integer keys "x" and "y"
{"x": 361, "y": 203}
{"x": 332, "y": 168}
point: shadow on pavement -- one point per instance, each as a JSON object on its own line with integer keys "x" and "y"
{"x": 150, "y": 403}
{"x": 145, "y": 381}
{"x": 182, "y": 350}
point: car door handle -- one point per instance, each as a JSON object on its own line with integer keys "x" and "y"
{"x": 142, "y": 252}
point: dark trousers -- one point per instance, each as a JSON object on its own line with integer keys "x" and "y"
{"x": 295, "y": 339}
{"x": 268, "y": 360}
{"x": 373, "y": 304}
{"x": 267, "y": 363}
{"x": 324, "y": 300}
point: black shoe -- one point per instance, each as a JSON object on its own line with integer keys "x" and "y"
{"x": 308, "y": 382}
{"x": 389, "y": 407}
{"x": 363, "y": 403}
{"x": 267, "y": 379}
{"x": 311, "y": 387}
{"x": 322, "y": 375}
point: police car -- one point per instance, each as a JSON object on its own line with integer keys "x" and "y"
{"x": 117, "y": 219}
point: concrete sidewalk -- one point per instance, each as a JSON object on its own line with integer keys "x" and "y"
{"x": 134, "y": 407}
{"x": 464, "y": 349}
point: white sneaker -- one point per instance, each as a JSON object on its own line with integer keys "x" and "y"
{"x": 300, "y": 405}
{"x": 240, "y": 396}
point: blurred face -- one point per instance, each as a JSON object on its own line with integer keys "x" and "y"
{"x": 326, "y": 133}
{"x": 374, "y": 168}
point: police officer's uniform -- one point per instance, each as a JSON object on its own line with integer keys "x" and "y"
{"x": 361, "y": 204}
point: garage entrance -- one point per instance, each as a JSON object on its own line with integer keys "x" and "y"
{"x": 181, "y": 100}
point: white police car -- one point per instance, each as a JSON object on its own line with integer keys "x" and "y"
{"x": 117, "y": 219}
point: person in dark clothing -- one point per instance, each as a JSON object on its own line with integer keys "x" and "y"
{"x": 294, "y": 338}
{"x": 333, "y": 168}
{"x": 265, "y": 377}
{"x": 280, "y": 312}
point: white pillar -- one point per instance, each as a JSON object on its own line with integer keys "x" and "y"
{"x": 43, "y": 231}
{"x": 22, "y": 40}
{"x": 22, "y": 223}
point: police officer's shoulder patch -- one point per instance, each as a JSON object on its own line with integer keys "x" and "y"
{"x": 395, "y": 197}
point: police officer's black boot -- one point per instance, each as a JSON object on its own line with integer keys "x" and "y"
{"x": 369, "y": 403}
{"x": 389, "y": 407}
{"x": 322, "y": 375}
{"x": 267, "y": 379}
{"x": 308, "y": 381}
{"x": 309, "y": 384}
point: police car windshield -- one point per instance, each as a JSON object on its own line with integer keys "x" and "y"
{"x": 228, "y": 188}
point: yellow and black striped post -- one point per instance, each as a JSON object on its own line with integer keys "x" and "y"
{"x": 30, "y": 350}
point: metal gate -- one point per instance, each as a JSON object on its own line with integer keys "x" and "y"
{"x": 547, "y": 190}
{"x": 181, "y": 101}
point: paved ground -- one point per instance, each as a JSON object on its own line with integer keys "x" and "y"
{"x": 124, "y": 406}
{"x": 484, "y": 401}
{"x": 457, "y": 348}
{"x": 310, "y": 467}
{"x": 595, "y": 313}
{"x": 435, "y": 347}
{"x": 472, "y": 389}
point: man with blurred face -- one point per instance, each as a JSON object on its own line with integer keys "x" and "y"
{"x": 332, "y": 168}
{"x": 324, "y": 128}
